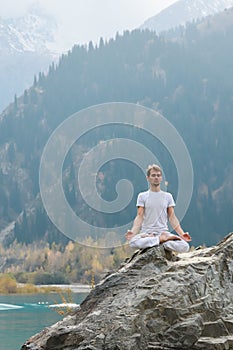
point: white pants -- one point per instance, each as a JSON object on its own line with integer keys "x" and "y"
{"x": 179, "y": 246}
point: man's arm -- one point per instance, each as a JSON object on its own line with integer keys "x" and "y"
{"x": 176, "y": 225}
{"x": 138, "y": 221}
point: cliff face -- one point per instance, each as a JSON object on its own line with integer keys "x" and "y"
{"x": 154, "y": 301}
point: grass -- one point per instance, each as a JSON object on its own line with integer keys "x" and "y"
{"x": 9, "y": 285}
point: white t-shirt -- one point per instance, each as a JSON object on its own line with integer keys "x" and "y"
{"x": 155, "y": 210}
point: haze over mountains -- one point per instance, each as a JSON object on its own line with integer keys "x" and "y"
{"x": 27, "y": 47}
{"x": 31, "y": 42}
{"x": 33, "y": 32}
{"x": 184, "y": 11}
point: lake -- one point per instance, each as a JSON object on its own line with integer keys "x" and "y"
{"x": 22, "y": 316}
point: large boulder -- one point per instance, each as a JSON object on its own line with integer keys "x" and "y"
{"x": 156, "y": 300}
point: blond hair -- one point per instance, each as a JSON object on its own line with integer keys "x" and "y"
{"x": 154, "y": 167}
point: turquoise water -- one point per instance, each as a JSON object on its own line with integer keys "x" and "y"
{"x": 22, "y": 316}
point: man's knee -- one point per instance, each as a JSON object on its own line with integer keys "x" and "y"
{"x": 177, "y": 246}
{"x": 184, "y": 246}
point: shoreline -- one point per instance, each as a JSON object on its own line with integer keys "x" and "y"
{"x": 75, "y": 288}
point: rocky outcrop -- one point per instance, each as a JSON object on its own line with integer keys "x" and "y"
{"x": 154, "y": 301}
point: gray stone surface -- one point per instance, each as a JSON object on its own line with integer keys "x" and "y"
{"x": 154, "y": 301}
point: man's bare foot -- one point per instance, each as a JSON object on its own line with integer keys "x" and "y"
{"x": 147, "y": 235}
{"x": 164, "y": 237}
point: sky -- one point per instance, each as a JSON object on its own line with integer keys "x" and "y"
{"x": 83, "y": 20}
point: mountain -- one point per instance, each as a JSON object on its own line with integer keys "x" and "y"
{"x": 184, "y": 11}
{"x": 188, "y": 81}
{"x": 26, "y": 45}
{"x": 31, "y": 33}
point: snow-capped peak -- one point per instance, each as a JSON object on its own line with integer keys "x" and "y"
{"x": 34, "y": 32}
{"x": 184, "y": 11}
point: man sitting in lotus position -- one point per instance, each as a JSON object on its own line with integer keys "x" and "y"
{"x": 154, "y": 208}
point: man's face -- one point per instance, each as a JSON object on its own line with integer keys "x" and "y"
{"x": 154, "y": 178}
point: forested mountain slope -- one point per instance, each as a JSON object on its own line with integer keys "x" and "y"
{"x": 189, "y": 81}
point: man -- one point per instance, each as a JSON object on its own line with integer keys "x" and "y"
{"x": 155, "y": 208}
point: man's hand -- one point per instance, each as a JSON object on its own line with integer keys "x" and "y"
{"x": 129, "y": 234}
{"x": 186, "y": 237}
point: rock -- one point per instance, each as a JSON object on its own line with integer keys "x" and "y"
{"x": 154, "y": 301}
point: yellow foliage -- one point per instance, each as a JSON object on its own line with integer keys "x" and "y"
{"x": 75, "y": 262}
{"x": 7, "y": 284}
{"x": 27, "y": 289}
{"x": 66, "y": 298}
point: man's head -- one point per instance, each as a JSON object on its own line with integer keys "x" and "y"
{"x": 154, "y": 176}
{"x": 153, "y": 167}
